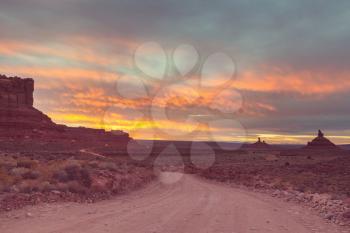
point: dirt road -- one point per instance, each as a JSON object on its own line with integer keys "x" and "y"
{"x": 188, "y": 206}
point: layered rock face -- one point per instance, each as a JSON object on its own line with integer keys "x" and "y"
{"x": 18, "y": 117}
{"x": 16, "y": 92}
{"x": 321, "y": 142}
{"x": 16, "y": 106}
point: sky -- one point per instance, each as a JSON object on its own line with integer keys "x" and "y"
{"x": 94, "y": 64}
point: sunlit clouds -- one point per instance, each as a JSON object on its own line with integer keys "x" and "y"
{"x": 282, "y": 68}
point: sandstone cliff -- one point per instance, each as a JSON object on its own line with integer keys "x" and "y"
{"x": 16, "y": 106}
{"x": 19, "y": 119}
{"x": 16, "y": 92}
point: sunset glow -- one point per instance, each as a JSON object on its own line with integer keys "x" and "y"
{"x": 278, "y": 92}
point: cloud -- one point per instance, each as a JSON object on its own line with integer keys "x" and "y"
{"x": 292, "y": 57}
{"x": 272, "y": 78}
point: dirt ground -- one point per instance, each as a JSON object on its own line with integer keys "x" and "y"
{"x": 189, "y": 205}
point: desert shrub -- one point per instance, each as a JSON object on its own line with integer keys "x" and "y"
{"x": 46, "y": 186}
{"x": 45, "y": 172}
{"x": 8, "y": 163}
{"x": 6, "y": 181}
{"x": 108, "y": 166}
{"x": 19, "y": 171}
{"x": 73, "y": 171}
{"x": 49, "y": 169}
{"x": 76, "y": 187}
{"x": 61, "y": 176}
{"x": 2, "y": 188}
{"x": 301, "y": 187}
{"x": 85, "y": 177}
{"x": 26, "y": 163}
{"x": 93, "y": 164}
{"x": 5, "y": 178}
{"x": 26, "y": 186}
{"x": 72, "y": 162}
{"x": 32, "y": 175}
{"x": 63, "y": 187}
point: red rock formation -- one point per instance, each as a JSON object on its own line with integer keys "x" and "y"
{"x": 259, "y": 145}
{"x": 18, "y": 117}
{"x": 16, "y": 92}
{"x": 16, "y": 107}
{"x": 321, "y": 142}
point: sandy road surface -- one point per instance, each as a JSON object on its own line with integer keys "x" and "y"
{"x": 188, "y": 206}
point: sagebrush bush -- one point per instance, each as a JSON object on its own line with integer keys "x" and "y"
{"x": 46, "y": 186}
{"x": 61, "y": 176}
{"x": 6, "y": 180}
{"x": 27, "y": 163}
{"x": 63, "y": 187}
{"x": 7, "y": 163}
{"x": 108, "y": 165}
{"x": 19, "y": 171}
{"x": 32, "y": 175}
{"x": 76, "y": 187}
{"x": 27, "y": 186}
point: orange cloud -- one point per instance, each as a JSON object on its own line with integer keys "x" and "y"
{"x": 64, "y": 73}
{"x": 89, "y": 59}
{"x": 74, "y": 49}
{"x": 304, "y": 82}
